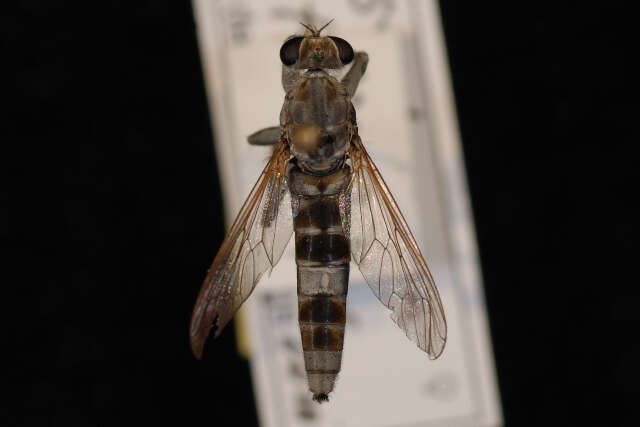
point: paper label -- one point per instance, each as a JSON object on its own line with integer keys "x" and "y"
{"x": 407, "y": 122}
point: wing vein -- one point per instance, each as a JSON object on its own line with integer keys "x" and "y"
{"x": 393, "y": 265}
{"x": 227, "y": 284}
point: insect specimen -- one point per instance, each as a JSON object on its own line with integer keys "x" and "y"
{"x": 321, "y": 183}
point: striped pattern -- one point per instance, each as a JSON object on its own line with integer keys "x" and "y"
{"x": 322, "y": 257}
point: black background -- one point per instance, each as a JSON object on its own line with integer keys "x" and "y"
{"x": 113, "y": 209}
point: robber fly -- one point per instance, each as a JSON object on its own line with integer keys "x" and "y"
{"x": 321, "y": 183}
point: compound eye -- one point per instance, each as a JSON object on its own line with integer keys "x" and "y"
{"x": 345, "y": 51}
{"x": 290, "y": 51}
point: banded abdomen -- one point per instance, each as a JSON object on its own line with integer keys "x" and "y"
{"x": 322, "y": 258}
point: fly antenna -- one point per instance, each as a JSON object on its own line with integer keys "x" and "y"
{"x": 325, "y": 26}
{"x": 312, "y": 28}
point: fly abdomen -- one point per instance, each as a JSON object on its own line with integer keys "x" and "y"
{"x": 323, "y": 277}
{"x": 322, "y": 314}
{"x": 322, "y": 257}
{"x": 322, "y": 249}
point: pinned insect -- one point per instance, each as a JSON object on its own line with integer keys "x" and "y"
{"x": 321, "y": 183}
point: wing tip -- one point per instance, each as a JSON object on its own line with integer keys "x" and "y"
{"x": 433, "y": 355}
{"x": 197, "y": 347}
{"x": 198, "y": 336}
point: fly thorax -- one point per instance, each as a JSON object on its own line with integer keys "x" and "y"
{"x": 318, "y": 151}
{"x": 319, "y": 99}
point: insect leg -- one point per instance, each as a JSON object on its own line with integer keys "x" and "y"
{"x": 352, "y": 78}
{"x": 266, "y": 136}
{"x": 271, "y": 135}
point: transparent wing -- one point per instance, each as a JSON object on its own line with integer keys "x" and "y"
{"x": 253, "y": 245}
{"x": 387, "y": 254}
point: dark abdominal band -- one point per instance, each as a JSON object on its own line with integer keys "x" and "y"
{"x": 322, "y": 257}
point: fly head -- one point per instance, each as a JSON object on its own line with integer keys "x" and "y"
{"x": 315, "y": 52}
